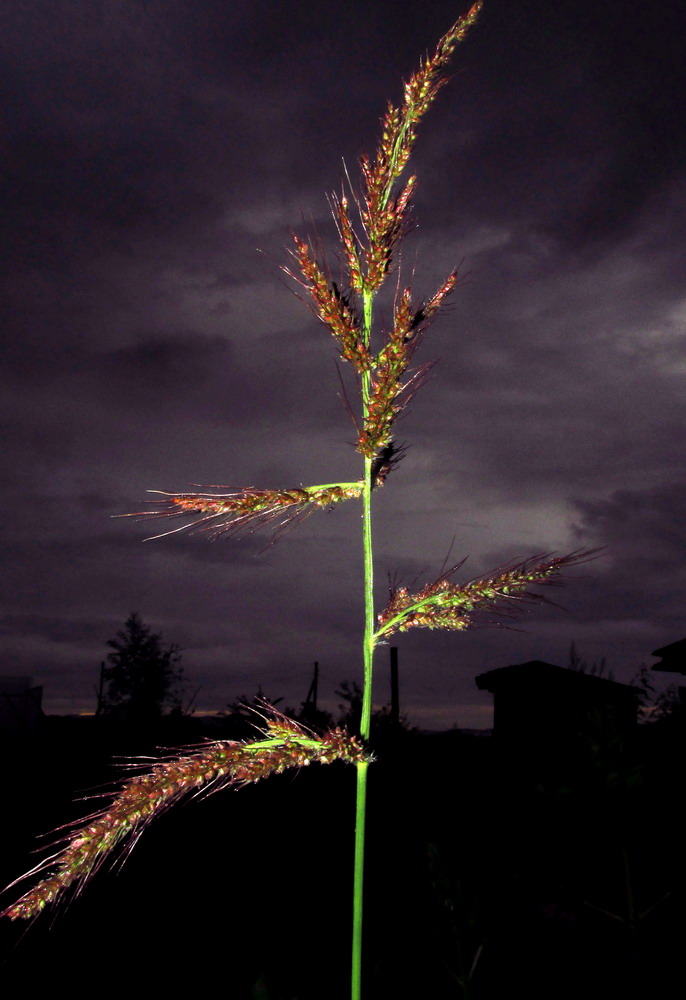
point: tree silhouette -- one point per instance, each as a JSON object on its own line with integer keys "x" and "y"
{"x": 143, "y": 676}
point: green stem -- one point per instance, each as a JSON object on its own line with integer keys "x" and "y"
{"x": 369, "y": 638}
{"x": 360, "y": 810}
{"x": 368, "y": 652}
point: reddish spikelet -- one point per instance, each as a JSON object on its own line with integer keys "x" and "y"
{"x": 330, "y": 306}
{"x": 216, "y": 765}
{"x": 443, "y": 604}
{"x": 247, "y": 509}
{"x": 349, "y": 241}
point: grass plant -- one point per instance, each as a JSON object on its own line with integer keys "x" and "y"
{"x": 371, "y": 224}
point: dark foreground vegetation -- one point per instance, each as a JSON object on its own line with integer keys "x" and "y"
{"x": 494, "y": 867}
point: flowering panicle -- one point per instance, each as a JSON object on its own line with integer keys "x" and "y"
{"x": 246, "y": 509}
{"x": 443, "y": 604}
{"x": 216, "y": 765}
{"x": 368, "y": 257}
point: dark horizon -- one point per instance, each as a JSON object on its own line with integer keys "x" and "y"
{"x": 546, "y": 839}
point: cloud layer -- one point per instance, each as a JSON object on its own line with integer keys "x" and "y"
{"x": 152, "y": 149}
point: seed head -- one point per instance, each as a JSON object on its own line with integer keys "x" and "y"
{"x": 246, "y": 509}
{"x": 447, "y": 605}
{"x": 209, "y": 768}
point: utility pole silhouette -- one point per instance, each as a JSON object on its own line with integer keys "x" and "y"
{"x": 311, "y": 699}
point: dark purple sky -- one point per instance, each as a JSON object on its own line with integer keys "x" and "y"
{"x": 151, "y": 147}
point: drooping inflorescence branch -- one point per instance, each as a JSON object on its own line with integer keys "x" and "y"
{"x": 447, "y": 605}
{"x": 246, "y": 509}
{"x": 209, "y": 768}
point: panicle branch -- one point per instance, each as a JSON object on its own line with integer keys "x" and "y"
{"x": 383, "y": 225}
{"x": 246, "y": 509}
{"x": 384, "y": 228}
{"x": 216, "y": 765}
{"x": 447, "y": 605}
{"x": 389, "y": 395}
{"x": 330, "y": 306}
{"x": 385, "y": 220}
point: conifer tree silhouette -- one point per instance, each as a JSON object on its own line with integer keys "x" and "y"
{"x": 143, "y": 676}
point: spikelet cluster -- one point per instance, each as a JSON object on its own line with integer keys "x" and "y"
{"x": 389, "y": 394}
{"x": 383, "y": 218}
{"x": 335, "y": 310}
{"x": 246, "y": 509}
{"x": 216, "y": 765}
{"x": 447, "y": 605}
